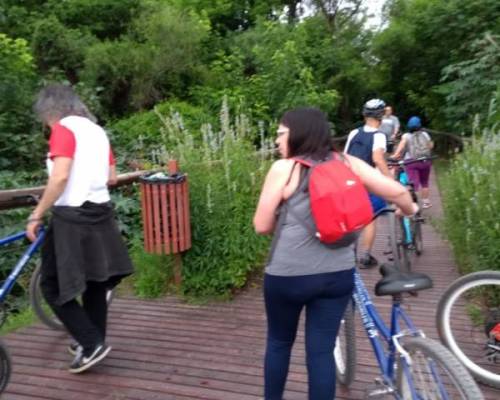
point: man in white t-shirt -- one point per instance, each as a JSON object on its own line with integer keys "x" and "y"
{"x": 390, "y": 127}
{"x": 83, "y": 253}
{"x": 369, "y": 144}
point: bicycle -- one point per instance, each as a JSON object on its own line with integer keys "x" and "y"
{"x": 5, "y": 289}
{"x": 408, "y": 229}
{"x": 412, "y": 366}
{"x": 475, "y": 341}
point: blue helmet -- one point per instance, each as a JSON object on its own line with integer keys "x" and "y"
{"x": 414, "y": 123}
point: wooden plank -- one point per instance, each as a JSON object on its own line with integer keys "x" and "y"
{"x": 164, "y": 219}
{"x": 155, "y": 199}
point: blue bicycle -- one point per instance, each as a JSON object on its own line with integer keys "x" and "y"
{"x": 5, "y": 289}
{"x": 408, "y": 230}
{"x": 412, "y": 366}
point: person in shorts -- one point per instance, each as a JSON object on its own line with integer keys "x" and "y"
{"x": 369, "y": 144}
{"x": 415, "y": 144}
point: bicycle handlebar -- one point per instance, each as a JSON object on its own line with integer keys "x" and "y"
{"x": 394, "y": 162}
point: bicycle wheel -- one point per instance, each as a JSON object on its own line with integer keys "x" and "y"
{"x": 5, "y": 366}
{"x": 461, "y": 318}
{"x": 41, "y": 308}
{"x": 417, "y": 234}
{"x": 345, "y": 348}
{"x": 434, "y": 373}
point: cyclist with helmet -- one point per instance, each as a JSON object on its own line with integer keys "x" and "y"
{"x": 370, "y": 144}
{"x": 415, "y": 144}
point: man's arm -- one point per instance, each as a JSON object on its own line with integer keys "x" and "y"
{"x": 55, "y": 187}
{"x": 378, "y": 156}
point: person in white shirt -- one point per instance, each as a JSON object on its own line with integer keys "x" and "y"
{"x": 369, "y": 144}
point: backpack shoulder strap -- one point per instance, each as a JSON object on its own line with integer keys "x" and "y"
{"x": 299, "y": 160}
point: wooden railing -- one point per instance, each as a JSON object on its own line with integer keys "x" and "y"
{"x": 15, "y": 198}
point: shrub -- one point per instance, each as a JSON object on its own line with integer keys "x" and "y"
{"x": 225, "y": 175}
{"x": 472, "y": 203}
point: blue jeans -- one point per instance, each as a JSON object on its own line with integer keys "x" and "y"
{"x": 325, "y": 297}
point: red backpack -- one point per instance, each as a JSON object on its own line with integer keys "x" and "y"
{"x": 340, "y": 204}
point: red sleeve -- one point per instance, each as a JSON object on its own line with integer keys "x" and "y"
{"x": 112, "y": 160}
{"x": 62, "y": 142}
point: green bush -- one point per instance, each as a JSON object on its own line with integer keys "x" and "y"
{"x": 472, "y": 203}
{"x": 139, "y": 133}
{"x": 225, "y": 176}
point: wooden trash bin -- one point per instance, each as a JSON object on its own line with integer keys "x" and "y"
{"x": 165, "y": 214}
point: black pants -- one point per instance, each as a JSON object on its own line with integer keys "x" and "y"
{"x": 86, "y": 322}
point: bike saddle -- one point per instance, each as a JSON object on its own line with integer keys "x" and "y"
{"x": 394, "y": 281}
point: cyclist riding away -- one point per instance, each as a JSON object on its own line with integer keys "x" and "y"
{"x": 417, "y": 144}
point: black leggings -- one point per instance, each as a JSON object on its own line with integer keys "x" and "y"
{"x": 86, "y": 322}
{"x": 324, "y": 297}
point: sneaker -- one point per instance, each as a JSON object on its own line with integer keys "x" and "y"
{"x": 74, "y": 348}
{"x": 82, "y": 363}
{"x": 426, "y": 204}
{"x": 367, "y": 261}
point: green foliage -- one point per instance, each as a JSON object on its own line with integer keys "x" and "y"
{"x": 472, "y": 203}
{"x": 18, "y": 320}
{"x": 106, "y": 19}
{"x": 57, "y": 47}
{"x": 423, "y": 38}
{"x": 225, "y": 176}
{"x": 152, "y": 272}
{"x": 154, "y": 62}
{"x": 470, "y": 83}
{"x": 137, "y": 136}
{"x": 17, "y": 80}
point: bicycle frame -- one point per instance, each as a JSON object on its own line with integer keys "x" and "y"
{"x": 405, "y": 181}
{"x": 378, "y": 332}
{"x": 14, "y": 274}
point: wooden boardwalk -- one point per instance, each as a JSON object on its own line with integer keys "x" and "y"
{"x": 166, "y": 349}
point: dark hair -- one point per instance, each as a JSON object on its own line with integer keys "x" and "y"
{"x": 309, "y": 133}
{"x": 56, "y": 101}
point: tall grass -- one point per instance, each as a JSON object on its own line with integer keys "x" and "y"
{"x": 471, "y": 189}
{"x": 225, "y": 173}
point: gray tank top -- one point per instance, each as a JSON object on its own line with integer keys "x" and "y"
{"x": 295, "y": 251}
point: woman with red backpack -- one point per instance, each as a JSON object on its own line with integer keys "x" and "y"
{"x": 303, "y": 271}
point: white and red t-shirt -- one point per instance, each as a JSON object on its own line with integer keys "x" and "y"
{"x": 87, "y": 144}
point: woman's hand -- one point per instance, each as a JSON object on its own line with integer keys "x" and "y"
{"x": 400, "y": 213}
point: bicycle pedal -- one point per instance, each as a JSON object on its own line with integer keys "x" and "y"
{"x": 378, "y": 393}
{"x": 378, "y": 390}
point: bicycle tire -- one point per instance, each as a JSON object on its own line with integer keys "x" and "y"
{"x": 39, "y": 306}
{"x": 435, "y": 358}
{"x": 417, "y": 235}
{"x": 5, "y": 366}
{"x": 345, "y": 348}
{"x": 443, "y": 321}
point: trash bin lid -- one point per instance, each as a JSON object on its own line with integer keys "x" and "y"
{"x": 162, "y": 177}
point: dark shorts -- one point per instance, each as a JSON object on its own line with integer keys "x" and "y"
{"x": 377, "y": 202}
